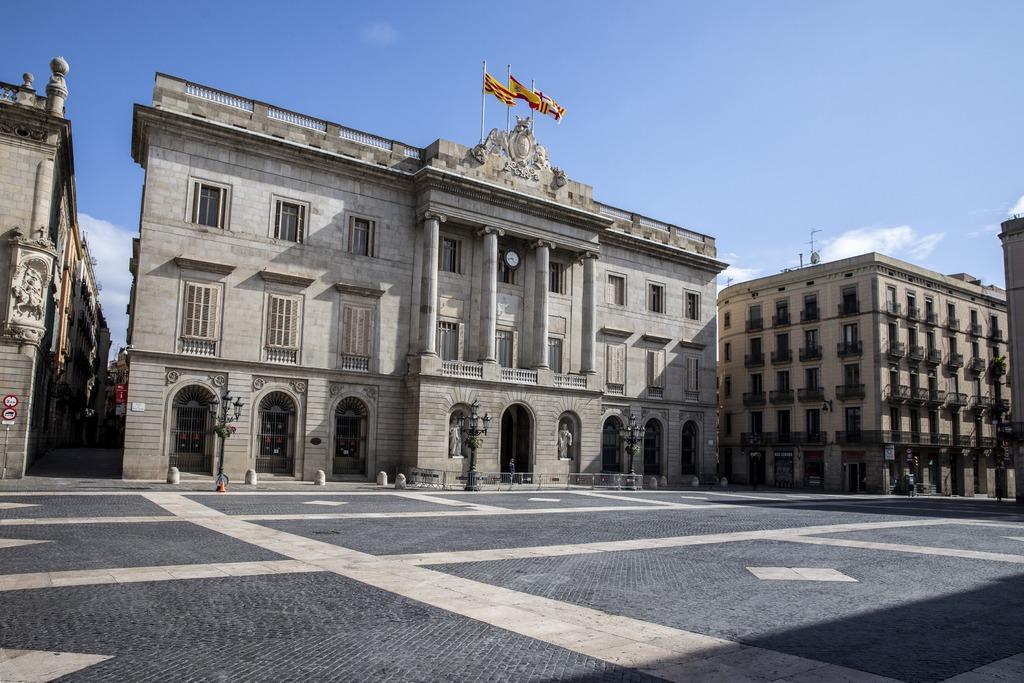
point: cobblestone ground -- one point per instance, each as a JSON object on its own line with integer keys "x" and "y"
{"x": 508, "y": 587}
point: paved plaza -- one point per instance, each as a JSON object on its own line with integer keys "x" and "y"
{"x": 308, "y": 583}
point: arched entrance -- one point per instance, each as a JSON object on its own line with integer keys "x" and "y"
{"x": 516, "y": 439}
{"x": 192, "y": 436}
{"x": 652, "y": 447}
{"x": 688, "y": 450}
{"x": 275, "y": 440}
{"x": 611, "y": 445}
{"x": 349, "y": 438}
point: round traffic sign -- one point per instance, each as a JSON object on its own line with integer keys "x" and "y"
{"x": 9, "y": 413}
{"x": 10, "y": 401}
{"x": 910, "y": 451}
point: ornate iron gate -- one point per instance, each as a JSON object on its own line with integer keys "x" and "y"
{"x": 350, "y": 437}
{"x": 192, "y": 436}
{"x": 276, "y": 438}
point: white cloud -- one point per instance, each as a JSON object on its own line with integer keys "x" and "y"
{"x": 984, "y": 230}
{"x": 898, "y": 241}
{"x": 1018, "y": 208}
{"x": 379, "y": 34}
{"x": 111, "y": 246}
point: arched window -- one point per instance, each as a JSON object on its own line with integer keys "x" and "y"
{"x": 688, "y": 452}
{"x": 275, "y": 440}
{"x": 349, "y": 437}
{"x": 652, "y": 447}
{"x": 611, "y": 445}
{"x": 192, "y": 432}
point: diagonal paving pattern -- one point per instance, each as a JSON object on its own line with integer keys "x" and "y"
{"x": 35, "y": 666}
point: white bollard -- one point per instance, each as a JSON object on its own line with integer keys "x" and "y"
{"x": 695, "y": 482}
{"x": 724, "y": 482}
{"x": 382, "y": 478}
{"x": 320, "y": 479}
{"x": 250, "y": 477}
{"x": 652, "y": 482}
{"x": 173, "y": 477}
{"x": 663, "y": 481}
{"x": 400, "y": 481}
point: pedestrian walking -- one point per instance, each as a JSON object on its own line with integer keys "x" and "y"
{"x": 910, "y": 485}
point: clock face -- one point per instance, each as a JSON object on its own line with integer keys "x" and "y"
{"x": 512, "y": 259}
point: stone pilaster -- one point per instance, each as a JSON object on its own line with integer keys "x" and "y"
{"x": 587, "y": 361}
{"x": 489, "y": 295}
{"x": 542, "y": 261}
{"x": 428, "y": 306}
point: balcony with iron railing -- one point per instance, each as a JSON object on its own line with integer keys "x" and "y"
{"x": 974, "y": 329}
{"x": 995, "y": 334}
{"x": 753, "y": 398}
{"x": 934, "y": 357}
{"x": 753, "y": 360}
{"x": 810, "y": 315}
{"x": 915, "y": 353}
{"x": 1013, "y": 431}
{"x": 931, "y": 318}
{"x": 918, "y": 395}
{"x": 961, "y": 440}
{"x": 752, "y": 438}
{"x": 980, "y": 404}
{"x": 848, "y": 392}
{"x": 811, "y": 394}
{"x": 810, "y": 353}
{"x": 913, "y": 312}
{"x": 860, "y": 436}
{"x": 810, "y": 438}
{"x": 782, "y": 356}
{"x": 953, "y": 323}
{"x": 897, "y": 393}
{"x": 976, "y": 365}
{"x": 846, "y": 349}
{"x": 956, "y": 400}
{"x": 896, "y": 350}
{"x": 849, "y": 308}
{"x": 955, "y": 360}
{"x": 936, "y": 397}
{"x": 1000, "y": 406}
{"x": 780, "y": 320}
{"x": 892, "y": 308}
{"x": 986, "y": 442}
{"x": 754, "y": 324}
{"x": 780, "y": 396}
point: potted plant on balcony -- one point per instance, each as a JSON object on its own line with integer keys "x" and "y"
{"x": 998, "y": 367}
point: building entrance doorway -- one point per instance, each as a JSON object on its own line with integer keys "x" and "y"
{"x": 349, "y": 438}
{"x": 757, "y": 468}
{"x": 516, "y": 438}
{"x": 856, "y": 477}
{"x": 275, "y": 442}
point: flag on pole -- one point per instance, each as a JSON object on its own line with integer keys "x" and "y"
{"x": 549, "y": 106}
{"x": 495, "y": 87}
{"x": 522, "y": 92}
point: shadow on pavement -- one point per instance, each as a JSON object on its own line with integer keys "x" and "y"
{"x": 79, "y": 463}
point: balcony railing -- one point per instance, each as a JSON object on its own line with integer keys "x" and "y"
{"x": 810, "y": 353}
{"x": 753, "y": 360}
{"x": 859, "y": 436}
{"x": 850, "y": 348}
{"x": 986, "y": 441}
{"x": 754, "y": 324}
{"x": 615, "y": 388}
{"x": 995, "y": 334}
{"x": 781, "y": 396}
{"x": 811, "y": 394}
{"x": 355, "y": 363}
{"x": 976, "y": 365}
{"x": 1000, "y": 406}
{"x": 936, "y": 396}
{"x": 780, "y": 320}
{"x": 915, "y": 353}
{"x": 199, "y": 347}
{"x": 752, "y": 438}
{"x": 458, "y": 368}
{"x": 753, "y": 398}
{"x": 782, "y": 356}
{"x": 918, "y": 395}
{"x": 980, "y": 404}
{"x": 279, "y": 355}
{"x": 897, "y": 393}
{"x": 953, "y": 323}
{"x": 931, "y": 318}
{"x": 956, "y": 400}
{"x": 519, "y": 375}
{"x": 955, "y": 360}
{"x": 810, "y": 437}
{"x": 893, "y": 308}
{"x": 896, "y": 350}
{"x": 849, "y": 308}
{"x": 810, "y": 315}
{"x": 934, "y": 357}
{"x": 845, "y": 392}
{"x": 913, "y": 312}
{"x": 974, "y": 329}
{"x": 961, "y": 440}
{"x": 655, "y": 392}
{"x": 571, "y": 381}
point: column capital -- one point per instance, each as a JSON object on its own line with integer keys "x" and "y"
{"x": 487, "y": 230}
{"x": 584, "y": 255}
{"x": 434, "y": 216}
{"x": 542, "y": 243}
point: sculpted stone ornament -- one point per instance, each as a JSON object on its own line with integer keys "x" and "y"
{"x": 455, "y": 441}
{"x": 30, "y": 281}
{"x": 523, "y": 156}
{"x": 564, "y": 442}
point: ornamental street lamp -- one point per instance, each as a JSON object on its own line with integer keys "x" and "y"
{"x": 633, "y": 435}
{"x": 473, "y": 433}
{"x": 229, "y": 412}
{"x": 755, "y": 457}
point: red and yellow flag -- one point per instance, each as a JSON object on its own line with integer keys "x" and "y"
{"x": 550, "y": 107}
{"x": 495, "y": 87}
{"x": 522, "y": 92}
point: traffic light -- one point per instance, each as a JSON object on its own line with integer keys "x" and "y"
{"x": 917, "y": 462}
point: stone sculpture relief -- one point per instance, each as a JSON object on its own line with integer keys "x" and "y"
{"x": 524, "y": 156}
{"x": 27, "y": 291}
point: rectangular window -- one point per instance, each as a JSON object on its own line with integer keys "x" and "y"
{"x": 810, "y": 307}
{"x": 200, "y": 314}
{"x": 850, "y": 334}
{"x": 757, "y": 422}
{"x": 283, "y": 322}
{"x": 812, "y": 378}
{"x": 890, "y": 297}
{"x": 556, "y": 279}
{"x": 361, "y": 236}
{"x": 692, "y": 306}
{"x": 448, "y": 340}
{"x": 357, "y": 329}
{"x": 555, "y": 354}
{"x": 850, "y": 303}
{"x": 851, "y": 374}
{"x": 728, "y": 320}
{"x": 450, "y": 255}
{"x": 728, "y": 386}
{"x": 853, "y": 420}
{"x": 289, "y": 221}
{"x": 655, "y": 368}
{"x": 693, "y": 374}
{"x": 813, "y": 421}
{"x": 894, "y": 419}
{"x": 756, "y": 383}
{"x": 656, "y": 298}
{"x": 503, "y": 343}
{"x": 615, "y": 366}
{"x": 728, "y": 350}
{"x": 782, "y": 380}
{"x": 782, "y": 422}
{"x": 616, "y": 294}
{"x": 208, "y": 205}
{"x": 728, "y": 423}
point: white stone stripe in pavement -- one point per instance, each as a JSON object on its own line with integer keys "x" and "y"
{"x": 14, "y": 506}
{"x": 29, "y": 521}
{"x": 901, "y": 548}
{"x": 88, "y": 577}
{"x": 632, "y": 499}
{"x": 1000, "y": 671}
{"x": 669, "y": 653}
{"x": 438, "y": 500}
{"x": 36, "y": 666}
{"x": 800, "y": 574}
{"x": 15, "y": 542}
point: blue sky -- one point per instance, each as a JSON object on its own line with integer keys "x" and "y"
{"x": 893, "y": 126}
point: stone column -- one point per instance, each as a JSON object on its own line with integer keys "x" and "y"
{"x": 587, "y": 362}
{"x": 428, "y": 288}
{"x": 542, "y": 264}
{"x": 489, "y": 296}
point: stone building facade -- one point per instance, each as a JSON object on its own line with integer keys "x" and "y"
{"x": 1012, "y": 237}
{"x": 359, "y": 294}
{"x": 52, "y": 330}
{"x": 844, "y": 375}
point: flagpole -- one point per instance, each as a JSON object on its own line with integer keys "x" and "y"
{"x": 508, "y": 110}
{"x": 483, "y": 102}
{"x": 533, "y": 112}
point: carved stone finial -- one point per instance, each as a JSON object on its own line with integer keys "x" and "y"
{"x": 59, "y": 66}
{"x": 56, "y": 88}
{"x": 28, "y": 81}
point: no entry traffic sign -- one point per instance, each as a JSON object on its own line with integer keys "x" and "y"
{"x": 9, "y": 414}
{"x": 10, "y": 401}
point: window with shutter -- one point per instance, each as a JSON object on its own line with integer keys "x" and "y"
{"x": 692, "y": 374}
{"x": 361, "y": 236}
{"x": 200, "y": 311}
{"x": 616, "y": 364}
{"x": 283, "y": 322}
{"x": 289, "y": 221}
{"x": 655, "y": 368}
{"x": 616, "y": 290}
{"x": 357, "y": 330}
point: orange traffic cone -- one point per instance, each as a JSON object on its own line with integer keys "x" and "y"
{"x": 221, "y": 488}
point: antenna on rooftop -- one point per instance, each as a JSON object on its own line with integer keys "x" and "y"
{"x": 815, "y": 256}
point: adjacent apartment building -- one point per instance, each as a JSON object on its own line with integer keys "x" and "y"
{"x": 1012, "y": 438}
{"x": 845, "y": 375}
{"x": 53, "y": 337}
{"x": 360, "y": 294}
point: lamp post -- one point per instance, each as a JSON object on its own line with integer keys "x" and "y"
{"x": 229, "y": 412}
{"x": 632, "y": 434}
{"x": 473, "y": 433}
{"x": 755, "y": 456}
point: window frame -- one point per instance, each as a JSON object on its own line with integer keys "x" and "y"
{"x": 623, "y": 278}
{"x": 653, "y": 287}
{"x": 559, "y": 342}
{"x": 687, "y": 294}
{"x": 193, "y": 202}
{"x": 558, "y": 273}
{"x": 455, "y": 327}
{"x": 302, "y": 231}
{"x": 268, "y": 343}
{"x": 441, "y": 254}
{"x": 371, "y": 235}
{"x": 512, "y": 346}
{"x": 214, "y": 325}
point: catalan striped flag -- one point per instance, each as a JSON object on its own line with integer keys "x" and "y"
{"x": 550, "y": 107}
{"x": 493, "y": 86}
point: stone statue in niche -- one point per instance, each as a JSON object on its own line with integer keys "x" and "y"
{"x": 455, "y": 441}
{"x": 564, "y": 442}
{"x": 27, "y": 290}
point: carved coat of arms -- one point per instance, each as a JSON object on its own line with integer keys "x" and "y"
{"x": 524, "y": 156}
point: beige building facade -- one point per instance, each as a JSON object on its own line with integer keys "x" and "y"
{"x": 851, "y": 374}
{"x": 360, "y": 294}
{"x": 1012, "y": 237}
